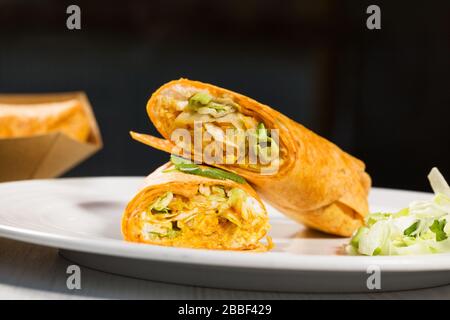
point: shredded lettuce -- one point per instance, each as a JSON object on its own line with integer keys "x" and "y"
{"x": 438, "y": 228}
{"x": 203, "y": 103}
{"x": 411, "y": 230}
{"x": 200, "y": 98}
{"x": 263, "y": 145}
{"x": 237, "y": 197}
{"x": 438, "y": 183}
{"x": 170, "y": 234}
{"x": 238, "y": 201}
{"x": 160, "y": 204}
{"x": 421, "y": 228}
{"x": 218, "y": 190}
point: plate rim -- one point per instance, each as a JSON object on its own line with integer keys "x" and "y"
{"x": 221, "y": 258}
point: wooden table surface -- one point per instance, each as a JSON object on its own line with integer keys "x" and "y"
{"x": 36, "y": 272}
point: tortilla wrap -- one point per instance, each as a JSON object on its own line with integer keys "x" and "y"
{"x": 317, "y": 183}
{"x": 201, "y": 222}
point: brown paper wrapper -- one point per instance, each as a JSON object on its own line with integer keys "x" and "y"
{"x": 46, "y": 155}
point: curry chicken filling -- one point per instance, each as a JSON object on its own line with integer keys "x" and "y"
{"x": 215, "y": 217}
{"x": 246, "y": 140}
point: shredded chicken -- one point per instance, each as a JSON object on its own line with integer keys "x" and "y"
{"x": 230, "y": 215}
{"x": 222, "y": 121}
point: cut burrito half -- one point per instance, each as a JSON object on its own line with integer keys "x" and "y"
{"x": 186, "y": 205}
{"x": 302, "y": 174}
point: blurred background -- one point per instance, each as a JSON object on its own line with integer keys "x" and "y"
{"x": 382, "y": 95}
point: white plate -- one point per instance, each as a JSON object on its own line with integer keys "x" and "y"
{"x": 81, "y": 216}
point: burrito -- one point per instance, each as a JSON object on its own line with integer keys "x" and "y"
{"x": 185, "y": 205}
{"x": 314, "y": 181}
{"x": 25, "y": 120}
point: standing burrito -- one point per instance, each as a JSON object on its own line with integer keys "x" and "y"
{"x": 186, "y": 205}
{"x": 315, "y": 182}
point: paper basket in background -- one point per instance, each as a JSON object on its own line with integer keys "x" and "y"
{"x": 46, "y": 155}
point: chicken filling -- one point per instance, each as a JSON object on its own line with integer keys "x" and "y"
{"x": 216, "y": 212}
{"x": 245, "y": 141}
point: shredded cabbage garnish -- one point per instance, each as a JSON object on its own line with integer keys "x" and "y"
{"x": 421, "y": 228}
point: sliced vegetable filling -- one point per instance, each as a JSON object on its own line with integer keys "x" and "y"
{"x": 189, "y": 167}
{"x": 246, "y": 141}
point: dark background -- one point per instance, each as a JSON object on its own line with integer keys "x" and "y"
{"x": 382, "y": 95}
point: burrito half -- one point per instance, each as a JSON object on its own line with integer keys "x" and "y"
{"x": 315, "y": 182}
{"x": 175, "y": 208}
